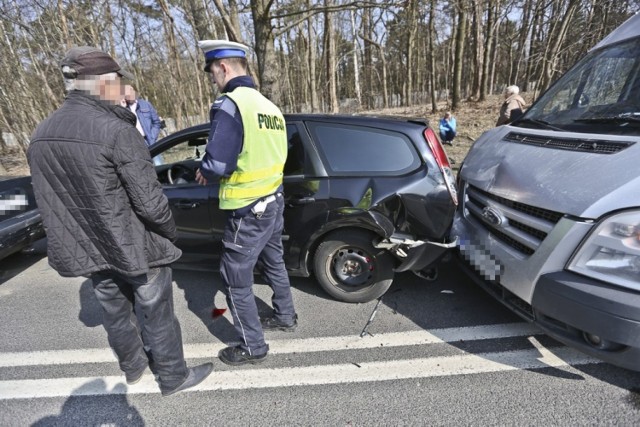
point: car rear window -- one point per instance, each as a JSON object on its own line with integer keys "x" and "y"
{"x": 360, "y": 150}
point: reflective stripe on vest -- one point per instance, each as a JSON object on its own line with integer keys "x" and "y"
{"x": 264, "y": 151}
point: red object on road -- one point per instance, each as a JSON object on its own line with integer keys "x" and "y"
{"x": 217, "y": 312}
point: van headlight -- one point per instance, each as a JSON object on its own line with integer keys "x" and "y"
{"x": 612, "y": 251}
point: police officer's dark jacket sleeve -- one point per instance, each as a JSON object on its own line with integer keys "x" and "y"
{"x": 95, "y": 185}
{"x": 226, "y": 134}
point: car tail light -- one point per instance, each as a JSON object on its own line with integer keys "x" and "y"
{"x": 443, "y": 163}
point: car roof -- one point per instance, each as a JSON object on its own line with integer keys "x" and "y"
{"x": 370, "y": 120}
{"x": 629, "y": 29}
{"x": 365, "y": 119}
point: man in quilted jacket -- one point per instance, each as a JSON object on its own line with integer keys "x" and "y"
{"x": 107, "y": 219}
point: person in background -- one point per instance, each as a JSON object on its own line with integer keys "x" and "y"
{"x": 247, "y": 150}
{"x": 148, "y": 122}
{"x": 512, "y": 106}
{"x": 447, "y": 128}
{"x": 107, "y": 219}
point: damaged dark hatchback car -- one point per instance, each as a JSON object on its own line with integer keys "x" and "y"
{"x": 365, "y": 198}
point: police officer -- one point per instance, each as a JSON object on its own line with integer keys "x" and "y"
{"x": 247, "y": 149}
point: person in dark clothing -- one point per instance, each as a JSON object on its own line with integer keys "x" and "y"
{"x": 247, "y": 149}
{"x": 107, "y": 219}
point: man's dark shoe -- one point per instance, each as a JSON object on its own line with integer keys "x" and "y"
{"x": 273, "y": 324}
{"x": 238, "y": 356}
{"x": 196, "y": 375}
{"x": 135, "y": 377}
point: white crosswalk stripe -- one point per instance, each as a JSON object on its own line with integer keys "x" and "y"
{"x": 307, "y": 345}
{"x": 538, "y": 357}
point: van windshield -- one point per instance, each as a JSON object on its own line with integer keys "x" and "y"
{"x": 600, "y": 94}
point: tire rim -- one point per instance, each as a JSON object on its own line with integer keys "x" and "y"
{"x": 352, "y": 266}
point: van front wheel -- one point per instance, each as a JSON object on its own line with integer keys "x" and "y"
{"x": 350, "y": 269}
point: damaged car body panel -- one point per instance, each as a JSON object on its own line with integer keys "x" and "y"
{"x": 505, "y": 170}
{"x": 365, "y": 197}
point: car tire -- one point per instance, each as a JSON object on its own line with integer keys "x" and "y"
{"x": 350, "y": 269}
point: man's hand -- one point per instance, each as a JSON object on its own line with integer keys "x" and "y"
{"x": 201, "y": 179}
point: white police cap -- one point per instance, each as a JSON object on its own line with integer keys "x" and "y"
{"x": 218, "y": 49}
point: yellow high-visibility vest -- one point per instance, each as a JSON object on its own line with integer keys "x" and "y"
{"x": 264, "y": 151}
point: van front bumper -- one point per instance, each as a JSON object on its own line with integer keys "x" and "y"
{"x": 594, "y": 317}
{"x": 572, "y": 308}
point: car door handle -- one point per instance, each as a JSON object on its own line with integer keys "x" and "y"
{"x": 302, "y": 200}
{"x": 187, "y": 204}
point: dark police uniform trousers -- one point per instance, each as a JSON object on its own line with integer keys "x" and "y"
{"x": 248, "y": 240}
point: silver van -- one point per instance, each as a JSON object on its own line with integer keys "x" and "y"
{"x": 549, "y": 212}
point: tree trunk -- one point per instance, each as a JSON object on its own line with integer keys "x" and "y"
{"x": 265, "y": 51}
{"x": 368, "y": 58}
{"x": 459, "y": 56}
{"x": 330, "y": 58}
{"x": 312, "y": 58}
{"x": 432, "y": 56}
{"x": 477, "y": 49}
{"x": 356, "y": 71}
{"x": 556, "y": 39}
{"x": 409, "y": 49}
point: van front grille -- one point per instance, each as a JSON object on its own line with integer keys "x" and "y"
{"x": 520, "y": 226}
{"x": 573, "y": 144}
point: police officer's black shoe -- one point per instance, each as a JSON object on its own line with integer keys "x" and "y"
{"x": 238, "y": 356}
{"x": 273, "y": 324}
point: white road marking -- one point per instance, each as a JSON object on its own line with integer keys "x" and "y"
{"x": 304, "y": 376}
{"x": 306, "y": 345}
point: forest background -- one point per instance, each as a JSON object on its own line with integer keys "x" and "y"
{"x": 408, "y": 57}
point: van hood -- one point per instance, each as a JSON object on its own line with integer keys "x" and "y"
{"x": 581, "y": 184}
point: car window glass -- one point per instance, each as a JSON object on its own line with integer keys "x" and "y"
{"x": 603, "y": 85}
{"x": 184, "y": 151}
{"x": 180, "y": 162}
{"x": 296, "y": 156}
{"x": 364, "y": 150}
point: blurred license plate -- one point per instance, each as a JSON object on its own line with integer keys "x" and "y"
{"x": 483, "y": 261}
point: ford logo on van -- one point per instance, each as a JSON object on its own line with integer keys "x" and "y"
{"x": 493, "y": 216}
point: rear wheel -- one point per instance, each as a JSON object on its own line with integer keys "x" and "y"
{"x": 350, "y": 269}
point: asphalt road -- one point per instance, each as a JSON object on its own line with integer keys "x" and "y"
{"x": 436, "y": 353}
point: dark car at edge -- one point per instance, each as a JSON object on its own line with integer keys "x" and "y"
{"x": 365, "y": 197}
{"x": 20, "y": 222}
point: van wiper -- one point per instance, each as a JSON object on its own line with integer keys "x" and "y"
{"x": 619, "y": 118}
{"x": 541, "y": 123}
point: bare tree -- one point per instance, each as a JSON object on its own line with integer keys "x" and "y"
{"x": 330, "y": 58}
{"x": 459, "y": 54}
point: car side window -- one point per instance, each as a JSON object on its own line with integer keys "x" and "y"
{"x": 192, "y": 149}
{"x": 296, "y": 156}
{"x": 181, "y": 161}
{"x": 360, "y": 150}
